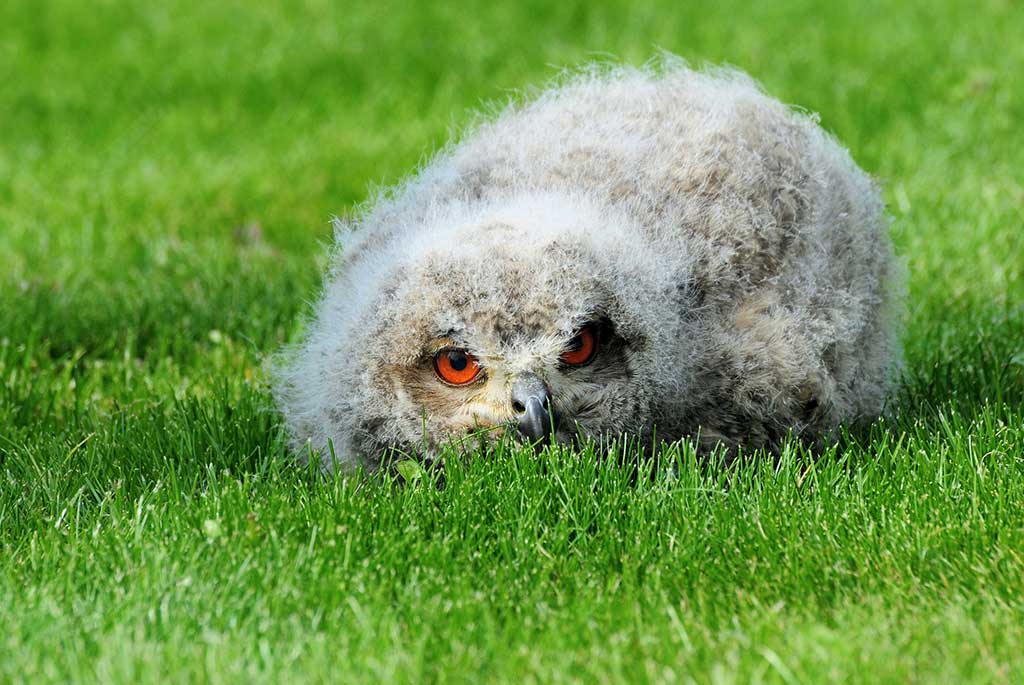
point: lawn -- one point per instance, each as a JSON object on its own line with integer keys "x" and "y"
{"x": 167, "y": 176}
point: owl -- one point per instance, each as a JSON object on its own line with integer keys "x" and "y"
{"x": 654, "y": 251}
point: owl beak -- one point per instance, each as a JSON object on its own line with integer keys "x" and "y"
{"x": 531, "y": 402}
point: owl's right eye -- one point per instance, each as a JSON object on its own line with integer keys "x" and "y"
{"x": 456, "y": 367}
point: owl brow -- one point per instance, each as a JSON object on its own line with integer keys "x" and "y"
{"x": 439, "y": 340}
{"x": 594, "y": 318}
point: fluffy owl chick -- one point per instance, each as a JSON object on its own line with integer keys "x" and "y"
{"x": 634, "y": 250}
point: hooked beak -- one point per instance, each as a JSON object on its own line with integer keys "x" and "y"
{"x": 531, "y": 402}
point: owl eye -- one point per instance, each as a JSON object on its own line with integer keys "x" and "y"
{"x": 582, "y": 347}
{"x": 456, "y": 367}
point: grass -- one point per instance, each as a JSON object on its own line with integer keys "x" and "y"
{"x": 167, "y": 173}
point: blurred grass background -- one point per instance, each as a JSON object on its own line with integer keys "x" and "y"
{"x": 167, "y": 176}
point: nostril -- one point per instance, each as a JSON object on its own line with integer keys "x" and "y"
{"x": 518, "y": 407}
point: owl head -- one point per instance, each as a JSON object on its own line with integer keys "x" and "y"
{"x": 540, "y": 316}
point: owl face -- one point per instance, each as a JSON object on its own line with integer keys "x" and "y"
{"x": 514, "y": 322}
{"x": 499, "y": 363}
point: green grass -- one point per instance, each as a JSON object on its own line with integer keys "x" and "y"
{"x": 167, "y": 174}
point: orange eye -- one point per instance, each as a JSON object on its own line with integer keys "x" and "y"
{"x": 582, "y": 347}
{"x": 456, "y": 367}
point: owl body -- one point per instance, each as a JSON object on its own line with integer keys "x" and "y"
{"x": 726, "y": 257}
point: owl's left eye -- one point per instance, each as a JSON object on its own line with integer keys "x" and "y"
{"x": 456, "y": 367}
{"x": 582, "y": 348}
